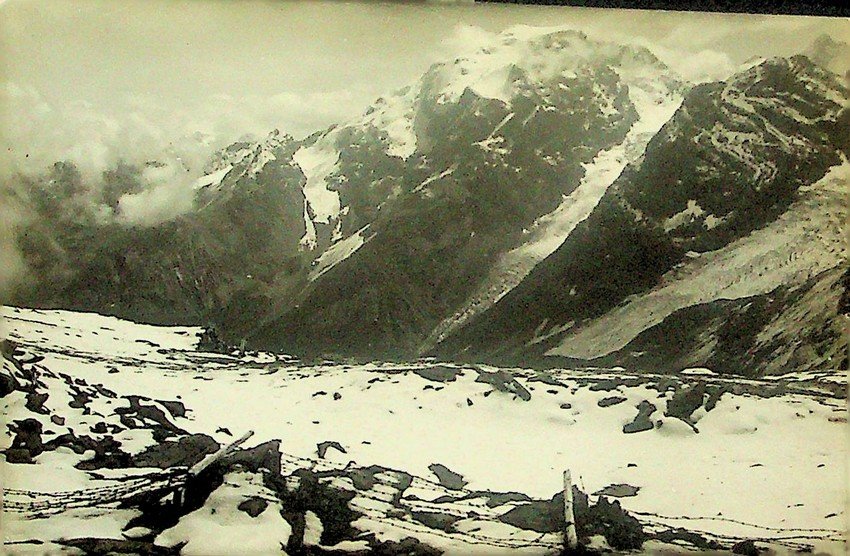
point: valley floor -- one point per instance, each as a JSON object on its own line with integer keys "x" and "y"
{"x": 453, "y": 449}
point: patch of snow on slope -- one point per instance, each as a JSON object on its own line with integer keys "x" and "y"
{"x": 447, "y": 172}
{"x": 219, "y": 525}
{"x": 655, "y": 106}
{"x": 394, "y": 115}
{"x": 808, "y": 239}
{"x": 319, "y": 161}
{"x": 214, "y": 179}
{"x": 338, "y": 252}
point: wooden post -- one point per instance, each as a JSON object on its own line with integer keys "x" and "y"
{"x": 209, "y": 460}
{"x": 570, "y": 536}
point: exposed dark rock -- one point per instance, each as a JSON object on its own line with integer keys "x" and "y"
{"x": 35, "y": 402}
{"x": 185, "y": 451}
{"x": 694, "y": 539}
{"x": 177, "y": 409}
{"x": 685, "y": 402}
{"x": 436, "y": 520}
{"x": 104, "y": 547}
{"x": 447, "y": 478}
{"x": 642, "y": 421}
{"x": 610, "y": 400}
{"x": 27, "y": 439}
{"x": 323, "y": 447}
{"x": 253, "y": 506}
{"x": 622, "y": 531}
{"x": 618, "y": 491}
{"x": 439, "y": 373}
{"x": 503, "y": 382}
{"x": 747, "y": 548}
{"x": 262, "y": 456}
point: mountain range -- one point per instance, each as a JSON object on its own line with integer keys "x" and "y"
{"x": 545, "y": 200}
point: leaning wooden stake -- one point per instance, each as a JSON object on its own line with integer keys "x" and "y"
{"x": 570, "y": 536}
{"x": 209, "y": 460}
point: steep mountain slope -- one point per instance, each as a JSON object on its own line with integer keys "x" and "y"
{"x": 242, "y": 238}
{"x": 479, "y": 150}
{"x": 732, "y": 159}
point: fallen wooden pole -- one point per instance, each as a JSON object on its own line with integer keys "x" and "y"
{"x": 209, "y": 460}
{"x": 570, "y": 536}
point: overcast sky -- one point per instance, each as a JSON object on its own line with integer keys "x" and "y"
{"x": 97, "y": 81}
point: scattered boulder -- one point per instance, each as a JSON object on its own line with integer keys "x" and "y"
{"x": 323, "y": 447}
{"x": 504, "y": 382}
{"x": 177, "y": 409}
{"x": 619, "y": 490}
{"x": 642, "y": 421}
{"x": 261, "y": 456}
{"x": 747, "y": 548}
{"x": 610, "y": 400}
{"x": 185, "y": 451}
{"x": 253, "y": 506}
{"x": 35, "y": 402}
{"x": 622, "y": 531}
{"x": 439, "y": 373}
{"x": 685, "y": 401}
{"x": 436, "y": 520}
{"x": 605, "y": 385}
{"x": 447, "y": 478}
{"x": 693, "y": 539}
{"x": 27, "y": 443}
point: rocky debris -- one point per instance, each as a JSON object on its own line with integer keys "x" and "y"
{"x": 447, "y": 478}
{"x": 642, "y": 421}
{"x": 747, "y": 548}
{"x": 619, "y": 490}
{"x": 186, "y": 451}
{"x": 27, "y": 443}
{"x": 35, "y": 402}
{"x": 175, "y": 408}
{"x": 323, "y": 447}
{"x": 546, "y": 378}
{"x": 162, "y": 425}
{"x": 685, "y": 401}
{"x": 265, "y": 456}
{"x": 495, "y": 499}
{"x": 691, "y": 538}
{"x": 503, "y": 382}
{"x": 90, "y": 545}
{"x": 436, "y": 520}
{"x": 610, "y": 400}
{"x": 439, "y": 373}
{"x": 253, "y": 506}
{"x": 621, "y": 530}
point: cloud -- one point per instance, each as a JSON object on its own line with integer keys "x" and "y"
{"x": 137, "y": 128}
{"x": 697, "y": 67}
{"x": 11, "y": 262}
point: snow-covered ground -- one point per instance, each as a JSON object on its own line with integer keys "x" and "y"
{"x": 764, "y": 463}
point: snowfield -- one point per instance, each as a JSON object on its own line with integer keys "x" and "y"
{"x": 750, "y": 459}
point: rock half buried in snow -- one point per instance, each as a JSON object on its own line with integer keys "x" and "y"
{"x": 642, "y": 421}
{"x": 439, "y": 373}
{"x": 611, "y": 400}
{"x": 503, "y": 382}
{"x": 448, "y": 478}
{"x": 323, "y": 447}
{"x": 618, "y": 491}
